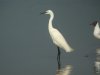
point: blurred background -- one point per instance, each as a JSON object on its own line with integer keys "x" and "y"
{"x": 26, "y": 47}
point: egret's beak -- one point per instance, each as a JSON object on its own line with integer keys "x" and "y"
{"x": 94, "y": 23}
{"x": 91, "y": 24}
{"x": 42, "y": 12}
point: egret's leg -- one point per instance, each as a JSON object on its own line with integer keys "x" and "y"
{"x": 58, "y": 57}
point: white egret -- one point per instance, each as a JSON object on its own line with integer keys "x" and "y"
{"x": 96, "y": 32}
{"x": 56, "y": 36}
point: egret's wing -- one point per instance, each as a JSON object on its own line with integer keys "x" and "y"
{"x": 58, "y": 37}
{"x": 59, "y": 40}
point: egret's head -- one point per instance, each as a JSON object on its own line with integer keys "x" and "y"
{"x": 94, "y": 23}
{"x": 47, "y": 12}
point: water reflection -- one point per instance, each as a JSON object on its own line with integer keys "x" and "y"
{"x": 97, "y": 62}
{"x": 63, "y": 71}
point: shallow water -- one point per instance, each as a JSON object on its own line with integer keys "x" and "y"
{"x": 25, "y": 45}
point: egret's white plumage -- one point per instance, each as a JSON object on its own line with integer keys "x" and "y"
{"x": 56, "y": 36}
{"x": 96, "y": 32}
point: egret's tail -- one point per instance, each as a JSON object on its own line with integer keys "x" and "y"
{"x": 69, "y": 49}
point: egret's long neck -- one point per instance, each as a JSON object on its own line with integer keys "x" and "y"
{"x": 50, "y": 20}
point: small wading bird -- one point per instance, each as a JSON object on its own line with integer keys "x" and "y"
{"x": 96, "y": 32}
{"x": 56, "y": 36}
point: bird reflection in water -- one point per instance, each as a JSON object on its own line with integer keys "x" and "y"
{"x": 64, "y": 71}
{"x": 97, "y": 62}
